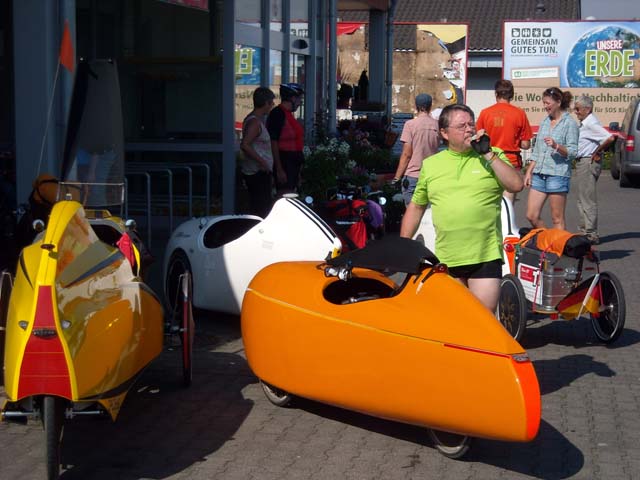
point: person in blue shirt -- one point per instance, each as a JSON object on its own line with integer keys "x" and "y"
{"x": 549, "y": 170}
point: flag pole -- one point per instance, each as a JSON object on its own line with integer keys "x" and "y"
{"x": 46, "y": 127}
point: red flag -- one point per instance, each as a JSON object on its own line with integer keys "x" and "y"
{"x": 67, "y": 55}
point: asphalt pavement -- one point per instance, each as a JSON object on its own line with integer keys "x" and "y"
{"x": 223, "y": 427}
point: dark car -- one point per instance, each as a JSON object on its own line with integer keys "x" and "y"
{"x": 625, "y": 162}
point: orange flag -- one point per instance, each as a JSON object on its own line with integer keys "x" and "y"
{"x": 67, "y": 55}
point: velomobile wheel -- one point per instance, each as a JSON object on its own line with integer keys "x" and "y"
{"x": 187, "y": 330}
{"x": 450, "y": 445}
{"x": 178, "y": 265}
{"x": 275, "y": 395}
{"x": 53, "y": 422}
{"x": 610, "y": 322}
{"x": 512, "y": 306}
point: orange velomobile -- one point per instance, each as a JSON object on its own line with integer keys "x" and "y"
{"x": 425, "y": 352}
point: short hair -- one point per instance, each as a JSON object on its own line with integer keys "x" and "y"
{"x": 504, "y": 89}
{"x": 262, "y": 96}
{"x": 559, "y": 96}
{"x": 585, "y": 101}
{"x": 443, "y": 121}
{"x": 423, "y": 102}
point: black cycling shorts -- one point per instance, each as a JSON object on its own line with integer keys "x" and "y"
{"x": 492, "y": 269}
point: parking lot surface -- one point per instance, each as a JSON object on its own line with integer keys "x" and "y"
{"x": 223, "y": 427}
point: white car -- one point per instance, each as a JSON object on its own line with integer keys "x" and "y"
{"x": 223, "y": 253}
{"x": 427, "y": 235}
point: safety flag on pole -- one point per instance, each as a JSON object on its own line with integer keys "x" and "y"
{"x": 67, "y": 55}
{"x": 584, "y": 298}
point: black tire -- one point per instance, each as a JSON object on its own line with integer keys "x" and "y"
{"x": 610, "y": 322}
{"x": 187, "y": 332}
{"x": 178, "y": 265}
{"x": 615, "y": 166}
{"x": 275, "y": 395}
{"x": 625, "y": 182}
{"x": 512, "y": 306}
{"x": 52, "y": 415}
{"x": 451, "y": 445}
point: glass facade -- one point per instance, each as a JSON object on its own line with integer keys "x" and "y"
{"x": 7, "y": 160}
{"x": 275, "y": 15}
{"x": 186, "y": 67}
{"x": 169, "y": 61}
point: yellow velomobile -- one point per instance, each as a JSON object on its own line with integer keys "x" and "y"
{"x": 425, "y": 352}
{"x": 81, "y": 325}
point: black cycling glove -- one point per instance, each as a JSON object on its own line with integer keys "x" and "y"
{"x": 482, "y": 145}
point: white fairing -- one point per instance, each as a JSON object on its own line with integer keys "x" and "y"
{"x": 291, "y": 232}
{"x": 426, "y": 232}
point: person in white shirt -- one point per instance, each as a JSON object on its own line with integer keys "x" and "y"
{"x": 593, "y": 140}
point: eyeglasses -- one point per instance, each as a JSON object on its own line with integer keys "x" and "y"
{"x": 463, "y": 126}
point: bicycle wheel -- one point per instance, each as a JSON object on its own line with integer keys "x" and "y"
{"x": 609, "y": 323}
{"x": 278, "y": 397}
{"x": 53, "y": 422}
{"x": 187, "y": 330}
{"x": 512, "y": 306}
{"x": 451, "y": 445}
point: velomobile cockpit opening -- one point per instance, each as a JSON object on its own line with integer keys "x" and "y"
{"x": 228, "y": 230}
{"x": 389, "y": 255}
{"x": 356, "y": 290}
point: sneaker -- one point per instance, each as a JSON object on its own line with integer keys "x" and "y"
{"x": 593, "y": 238}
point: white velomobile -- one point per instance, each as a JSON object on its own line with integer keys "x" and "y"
{"x": 223, "y": 253}
{"x": 426, "y": 232}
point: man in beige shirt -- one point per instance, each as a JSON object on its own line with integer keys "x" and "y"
{"x": 421, "y": 140}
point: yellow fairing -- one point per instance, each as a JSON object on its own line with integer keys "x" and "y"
{"x": 110, "y": 325}
{"x": 430, "y": 355}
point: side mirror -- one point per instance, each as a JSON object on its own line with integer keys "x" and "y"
{"x": 130, "y": 225}
{"x": 37, "y": 225}
{"x": 614, "y": 126}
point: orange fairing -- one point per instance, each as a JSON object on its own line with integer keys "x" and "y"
{"x": 430, "y": 355}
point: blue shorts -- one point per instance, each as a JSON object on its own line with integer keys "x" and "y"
{"x": 550, "y": 183}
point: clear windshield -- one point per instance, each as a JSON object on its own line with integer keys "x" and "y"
{"x": 93, "y": 164}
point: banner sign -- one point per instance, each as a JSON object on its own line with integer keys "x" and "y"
{"x": 599, "y": 59}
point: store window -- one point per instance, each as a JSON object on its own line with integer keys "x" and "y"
{"x": 300, "y": 19}
{"x": 275, "y": 71}
{"x": 170, "y": 62}
{"x": 275, "y": 15}
{"x": 297, "y": 72}
{"x": 249, "y": 12}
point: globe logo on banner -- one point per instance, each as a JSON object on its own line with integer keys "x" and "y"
{"x": 607, "y": 56}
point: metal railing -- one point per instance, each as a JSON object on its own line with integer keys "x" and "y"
{"x": 149, "y": 199}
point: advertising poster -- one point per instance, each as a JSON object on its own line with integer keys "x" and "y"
{"x": 599, "y": 59}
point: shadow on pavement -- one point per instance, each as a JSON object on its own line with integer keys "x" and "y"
{"x": 614, "y": 255}
{"x": 524, "y": 458}
{"x": 571, "y": 333}
{"x": 619, "y": 236}
{"x": 163, "y": 428}
{"x": 558, "y": 373}
{"x": 550, "y": 456}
